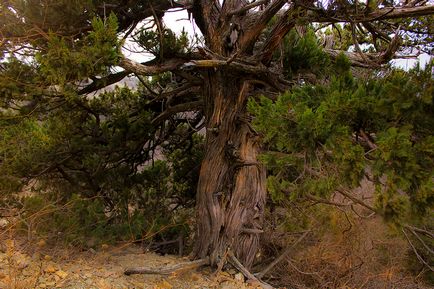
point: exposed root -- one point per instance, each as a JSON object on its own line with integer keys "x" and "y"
{"x": 237, "y": 264}
{"x": 168, "y": 270}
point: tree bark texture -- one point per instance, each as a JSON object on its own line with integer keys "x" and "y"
{"x": 231, "y": 191}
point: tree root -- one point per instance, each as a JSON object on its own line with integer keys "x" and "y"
{"x": 237, "y": 264}
{"x": 182, "y": 267}
{"x": 176, "y": 269}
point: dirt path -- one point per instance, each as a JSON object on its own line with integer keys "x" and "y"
{"x": 100, "y": 270}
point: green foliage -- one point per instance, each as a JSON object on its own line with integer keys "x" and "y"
{"x": 325, "y": 138}
{"x": 68, "y": 59}
{"x": 80, "y": 221}
{"x": 166, "y": 44}
{"x": 303, "y": 54}
{"x": 96, "y": 154}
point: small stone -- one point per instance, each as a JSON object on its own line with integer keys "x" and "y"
{"x": 164, "y": 285}
{"x": 61, "y": 274}
{"x": 50, "y": 269}
{"x": 3, "y": 223}
{"x": 239, "y": 277}
{"x": 41, "y": 243}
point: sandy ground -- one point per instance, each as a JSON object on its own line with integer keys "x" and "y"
{"x": 102, "y": 269}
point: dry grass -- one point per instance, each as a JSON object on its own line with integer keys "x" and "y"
{"x": 353, "y": 253}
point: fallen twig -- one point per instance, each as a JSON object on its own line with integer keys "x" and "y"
{"x": 169, "y": 270}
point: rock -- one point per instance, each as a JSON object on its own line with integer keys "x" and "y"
{"x": 61, "y": 274}
{"x": 239, "y": 277}
{"x": 50, "y": 269}
{"x": 229, "y": 285}
{"x": 21, "y": 260}
{"x": 3, "y": 223}
{"x": 41, "y": 243}
{"x": 164, "y": 285}
{"x": 50, "y": 284}
{"x": 102, "y": 284}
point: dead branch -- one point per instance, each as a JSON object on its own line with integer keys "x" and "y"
{"x": 169, "y": 270}
{"x": 420, "y": 240}
{"x": 284, "y": 24}
{"x": 419, "y": 257}
{"x": 379, "y": 14}
{"x": 251, "y": 34}
{"x": 419, "y": 230}
{"x": 356, "y": 200}
{"x": 189, "y": 106}
{"x": 142, "y": 69}
{"x": 282, "y": 256}
{"x": 247, "y": 7}
{"x": 237, "y": 264}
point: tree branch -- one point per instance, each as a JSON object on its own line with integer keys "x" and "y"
{"x": 356, "y": 200}
{"x": 247, "y": 7}
{"x": 379, "y": 14}
{"x": 237, "y": 264}
{"x": 143, "y": 69}
{"x": 168, "y": 270}
{"x": 251, "y": 34}
{"x": 206, "y": 14}
{"x": 280, "y": 29}
{"x": 189, "y": 106}
{"x": 103, "y": 82}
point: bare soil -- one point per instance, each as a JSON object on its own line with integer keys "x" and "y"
{"x": 103, "y": 269}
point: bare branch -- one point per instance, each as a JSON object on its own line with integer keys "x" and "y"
{"x": 247, "y": 7}
{"x": 282, "y": 256}
{"x": 168, "y": 270}
{"x": 143, "y": 69}
{"x": 251, "y": 34}
{"x": 280, "y": 29}
{"x": 379, "y": 14}
{"x": 356, "y": 200}
{"x": 103, "y": 82}
{"x": 189, "y": 106}
{"x": 206, "y": 14}
{"x": 419, "y": 257}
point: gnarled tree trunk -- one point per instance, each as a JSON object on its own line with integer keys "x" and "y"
{"x": 231, "y": 190}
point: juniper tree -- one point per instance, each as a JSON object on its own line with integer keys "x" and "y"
{"x": 57, "y": 54}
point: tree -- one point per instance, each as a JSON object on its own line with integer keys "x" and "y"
{"x": 55, "y": 54}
